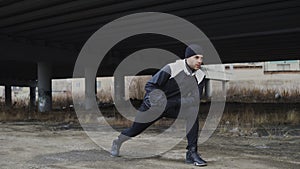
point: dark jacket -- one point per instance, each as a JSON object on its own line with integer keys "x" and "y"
{"x": 177, "y": 82}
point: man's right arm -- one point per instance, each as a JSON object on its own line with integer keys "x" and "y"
{"x": 159, "y": 79}
{"x": 157, "y": 82}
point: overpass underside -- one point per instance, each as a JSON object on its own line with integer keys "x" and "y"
{"x": 41, "y": 40}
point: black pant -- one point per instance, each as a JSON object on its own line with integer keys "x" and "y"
{"x": 172, "y": 112}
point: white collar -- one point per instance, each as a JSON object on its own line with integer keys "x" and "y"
{"x": 180, "y": 65}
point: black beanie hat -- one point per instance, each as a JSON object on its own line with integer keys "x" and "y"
{"x": 192, "y": 50}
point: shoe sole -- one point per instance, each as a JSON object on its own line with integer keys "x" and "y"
{"x": 196, "y": 164}
{"x": 200, "y": 165}
{"x": 115, "y": 156}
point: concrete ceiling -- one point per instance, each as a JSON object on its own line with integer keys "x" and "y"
{"x": 54, "y": 31}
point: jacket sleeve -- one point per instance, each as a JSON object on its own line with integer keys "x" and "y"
{"x": 201, "y": 86}
{"x": 159, "y": 79}
{"x": 156, "y": 82}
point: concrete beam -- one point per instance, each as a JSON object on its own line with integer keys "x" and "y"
{"x": 25, "y": 6}
{"x": 28, "y": 51}
{"x": 20, "y": 83}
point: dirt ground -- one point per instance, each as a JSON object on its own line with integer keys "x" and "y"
{"x": 37, "y": 145}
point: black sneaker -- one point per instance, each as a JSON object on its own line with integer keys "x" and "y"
{"x": 192, "y": 157}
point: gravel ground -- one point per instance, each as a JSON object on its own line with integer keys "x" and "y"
{"x": 37, "y": 145}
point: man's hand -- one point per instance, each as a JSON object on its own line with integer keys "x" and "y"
{"x": 157, "y": 98}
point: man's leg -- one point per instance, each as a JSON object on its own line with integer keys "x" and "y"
{"x": 192, "y": 155}
{"x": 136, "y": 129}
{"x": 192, "y": 128}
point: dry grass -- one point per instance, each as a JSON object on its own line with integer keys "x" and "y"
{"x": 105, "y": 96}
{"x": 237, "y": 94}
{"x": 8, "y": 115}
{"x": 248, "y": 121}
{"x": 60, "y": 102}
{"x": 20, "y": 111}
{"x": 137, "y": 87}
{"x": 244, "y": 120}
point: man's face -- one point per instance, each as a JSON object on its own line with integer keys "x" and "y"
{"x": 195, "y": 61}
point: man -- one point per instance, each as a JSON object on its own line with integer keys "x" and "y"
{"x": 175, "y": 81}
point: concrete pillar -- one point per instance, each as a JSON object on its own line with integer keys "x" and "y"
{"x": 8, "y": 101}
{"x": 32, "y": 97}
{"x": 119, "y": 85}
{"x": 208, "y": 88}
{"x": 96, "y": 87}
{"x": 224, "y": 88}
{"x": 90, "y": 89}
{"x": 44, "y": 87}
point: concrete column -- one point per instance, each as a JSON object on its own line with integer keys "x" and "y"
{"x": 90, "y": 89}
{"x": 96, "y": 87}
{"x": 8, "y": 101}
{"x": 224, "y": 88}
{"x": 32, "y": 97}
{"x": 208, "y": 88}
{"x": 119, "y": 85}
{"x": 44, "y": 87}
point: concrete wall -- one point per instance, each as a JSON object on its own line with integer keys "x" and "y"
{"x": 292, "y": 65}
{"x": 255, "y": 78}
{"x": 243, "y": 78}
